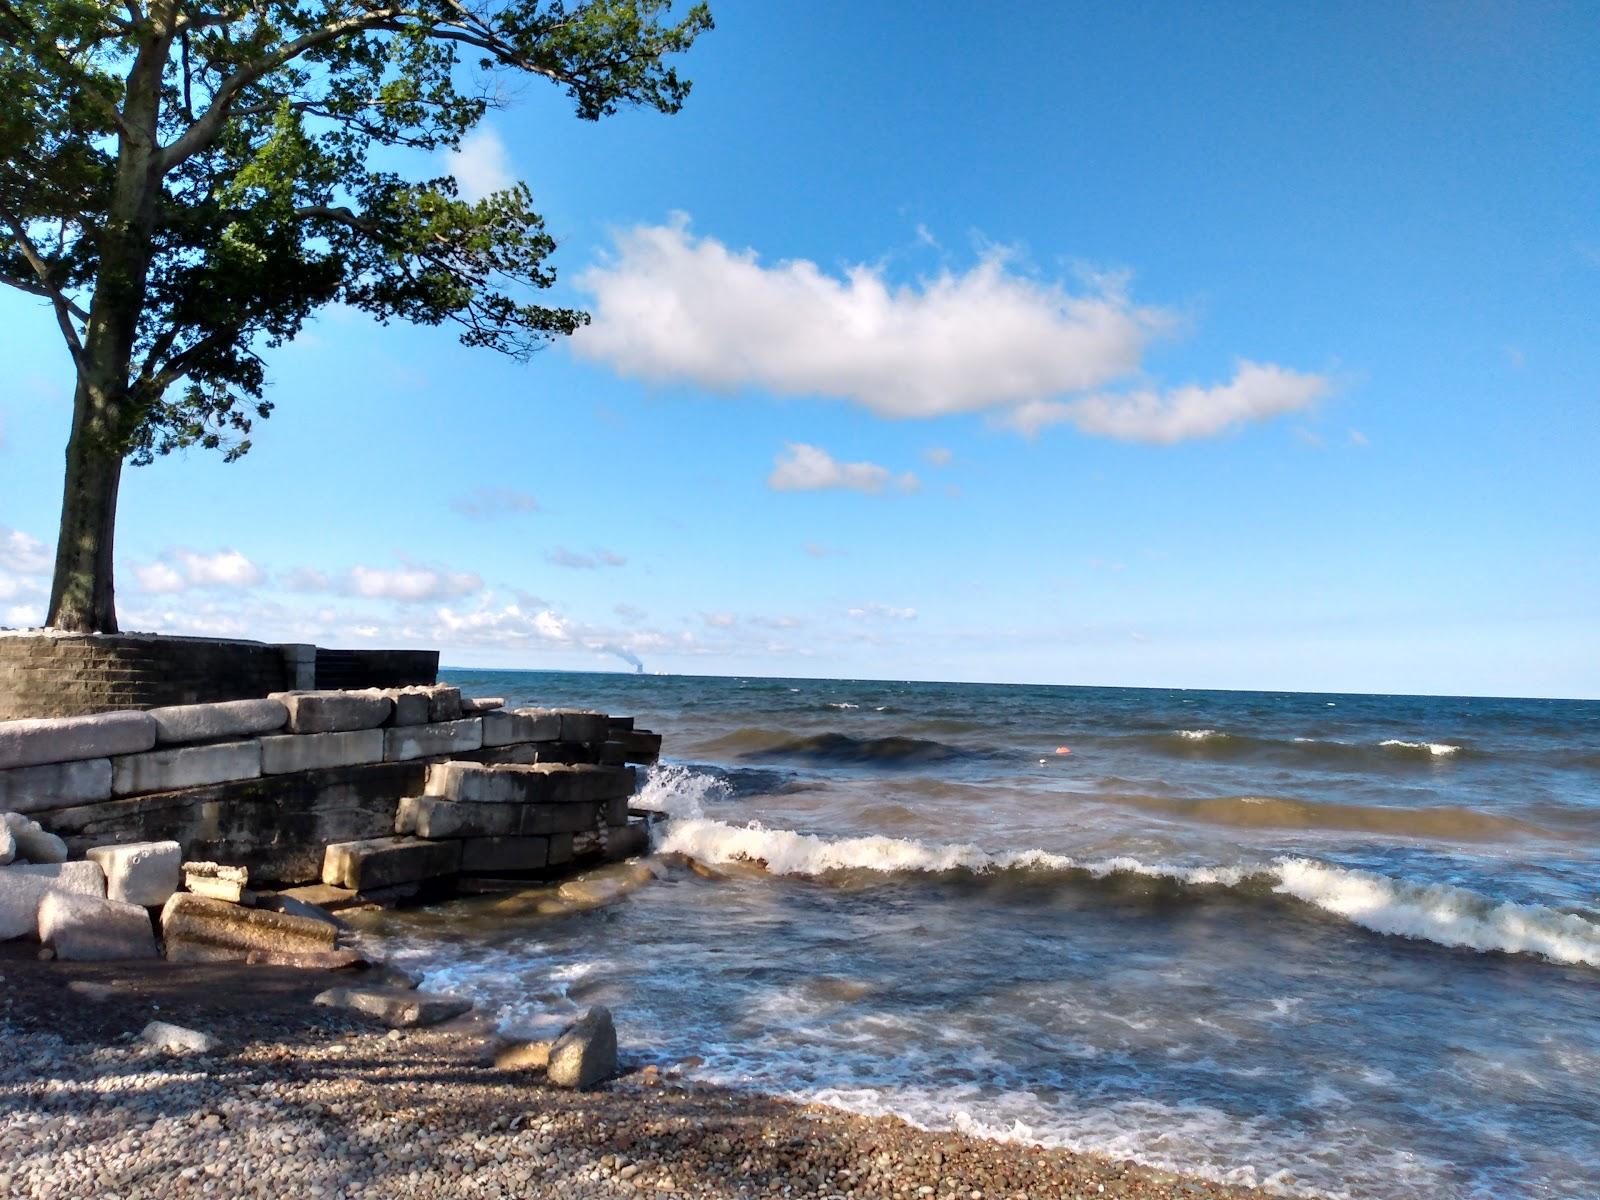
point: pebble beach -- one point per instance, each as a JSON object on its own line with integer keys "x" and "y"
{"x": 299, "y": 1100}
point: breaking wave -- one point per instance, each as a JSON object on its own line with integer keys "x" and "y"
{"x": 764, "y": 745}
{"x": 1219, "y": 745}
{"x": 1440, "y": 913}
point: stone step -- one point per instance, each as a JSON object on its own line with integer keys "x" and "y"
{"x": 539, "y": 783}
{"x": 386, "y": 862}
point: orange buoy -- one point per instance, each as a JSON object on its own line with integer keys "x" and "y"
{"x": 1062, "y": 750}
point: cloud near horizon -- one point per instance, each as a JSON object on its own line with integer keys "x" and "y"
{"x": 670, "y": 306}
{"x": 803, "y": 468}
{"x": 180, "y": 570}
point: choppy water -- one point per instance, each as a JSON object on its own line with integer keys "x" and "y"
{"x": 1339, "y": 945}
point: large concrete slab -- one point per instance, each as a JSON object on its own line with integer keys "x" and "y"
{"x": 55, "y": 785}
{"x": 569, "y": 818}
{"x": 285, "y": 753}
{"x": 435, "y": 817}
{"x": 185, "y": 766}
{"x": 37, "y": 740}
{"x": 412, "y": 706}
{"x": 488, "y": 855}
{"x": 83, "y": 928}
{"x": 215, "y": 722}
{"x": 386, "y": 862}
{"x": 429, "y": 741}
{"x": 144, "y": 873}
{"x": 506, "y": 728}
{"x": 200, "y": 929}
{"x": 22, "y": 887}
{"x": 579, "y": 725}
{"x": 334, "y": 712}
{"x": 510, "y": 783}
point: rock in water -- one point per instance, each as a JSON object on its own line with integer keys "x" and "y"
{"x": 586, "y": 1053}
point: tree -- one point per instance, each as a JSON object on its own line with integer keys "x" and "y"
{"x": 186, "y": 181}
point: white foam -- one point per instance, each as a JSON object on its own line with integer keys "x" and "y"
{"x": 1437, "y": 749}
{"x": 1198, "y": 735}
{"x": 841, "y": 704}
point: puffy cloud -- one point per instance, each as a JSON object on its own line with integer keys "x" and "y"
{"x": 562, "y": 557}
{"x": 180, "y": 570}
{"x": 481, "y": 165}
{"x": 803, "y": 468}
{"x": 670, "y": 306}
{"x": 24, "y": 554}
{"x": 411, "y": 583}
{"x": 1256, "y": 392}
{"x": 719, "y": 620}
{"x": 494, "y": 502}
{"x": 884, "y": 612}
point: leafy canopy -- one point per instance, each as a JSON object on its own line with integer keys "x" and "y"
{"x": 230, "y": 144}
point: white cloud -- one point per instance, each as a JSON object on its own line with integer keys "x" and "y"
{"x": 482, "y": 164}
{"x": 562, "y": 557}
{"x": 1357, "y": 438}
{"x": 492, "y": 502}
{"x": 180, "y": 570}
{"x": 24, "y": 554}
{"x": 803, "y": 468}
{"x": 1256, "y": 392}
{"x": 672, "y": 306}
{"x": 411, "y": 583}
{"x": 939, "y": 456}
{"x": 719, "y": 620}
{"x": 882, "y": 612}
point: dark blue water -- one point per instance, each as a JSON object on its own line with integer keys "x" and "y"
{"x": 1343, "y": 945}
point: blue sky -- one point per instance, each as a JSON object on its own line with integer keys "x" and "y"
{"x": 1215, "y": 346}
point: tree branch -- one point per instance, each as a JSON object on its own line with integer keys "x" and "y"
{"x": 65, "y": 308}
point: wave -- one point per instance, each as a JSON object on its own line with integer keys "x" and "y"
{"x": 1445, "y": 822}
{"x": 1440, "y": 913}
{"x": 1219, "y": 745}
{"x": 833, "y": 747}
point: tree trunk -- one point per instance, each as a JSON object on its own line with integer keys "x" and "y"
{"x": 83, "y": 594}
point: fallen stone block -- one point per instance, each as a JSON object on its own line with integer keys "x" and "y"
{"x": 144, "y": 873}
{"x": 578, "y": 725}
{"x": 398, "y": 1008}
{"x": 175, "y": 1039}
{"x": 436, "y": 817}
{"x": 215, "y": 722}
{"x": 403, "y": 743}
{"x": 321, "y": 895}
{"x": 284, "y": 903}
{"x": 586, "y": 1054}
{"x": 82, "y": 928}
{"x": 386, "y": 862}
{"x": 486, "y": 855}
{"x": 282, "y": 754}
{"x": 199, "y": 929}
{"x": 35, "y": 740}
{"x": 606, "y": 885}
{"x": 477, "y": 706}
{"x": 340, "y": 958}
{"x": 23, "y": 886}
{"x": 31, "y": 842}
{"x": 216, "y": 880}
{"x": 334, "y": 712}
{"x": 502, "y": 728}
{"x": 55, "y": 785}
{"x": 185, "y": 766}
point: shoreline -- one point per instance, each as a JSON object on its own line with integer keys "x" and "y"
{"x": 311, "y": 1101}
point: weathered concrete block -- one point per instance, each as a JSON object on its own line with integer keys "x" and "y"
{"x": 616, "y": 811}
{"x": 31, "y": 842}
{"x": 385, "y": 862}
{"x": 216, "y": 880}
{"x": 435, "y": 817}
{"x": 300, "y": 665}
{"x": 412, "y": 706}
{"x": 562, "y": 849}
{"x": 398, "y": 1008}
{"x": 8, "y": 844}
{"x": 32, "y": 741}
{"x": 145, "y": 873}
{"x": 22, "y": 887}
{"x": 611, "y": 754}
{"x": 185, "y": 766}
{"x": 334, "y": 712}
{"x": 566, "y": 818}
{"x": 640, "y": 745}
{"x": 540, "y": 783}
{"x": 444, "y": 703}
{"x": 406, "y": 742}
{"x": 578, "y": 725}
{"x": 55, "y": 785}
{"x": 83, "y": 928}
{"x": 616, "y": 725}
{"x": 477, "y": 706}
{"x": 486, "y": 855}
{"x": 284, "y": 753}
{"x": 586, "y": 1054}
{"x": 502, "y": 728}
{"x": 199, "y": 929}
{"x": 214, "y": 722}
{"x": 631, "y": 841}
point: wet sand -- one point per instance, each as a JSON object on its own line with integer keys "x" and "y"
{"x": 305, "y": 1101}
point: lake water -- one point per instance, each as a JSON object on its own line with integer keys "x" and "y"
{"x": 1334, "y": 945}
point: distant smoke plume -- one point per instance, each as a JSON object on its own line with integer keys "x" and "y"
{"x": 626, "y": 656}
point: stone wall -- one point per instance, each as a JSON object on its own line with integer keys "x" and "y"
{"x": 51, "y": 674}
